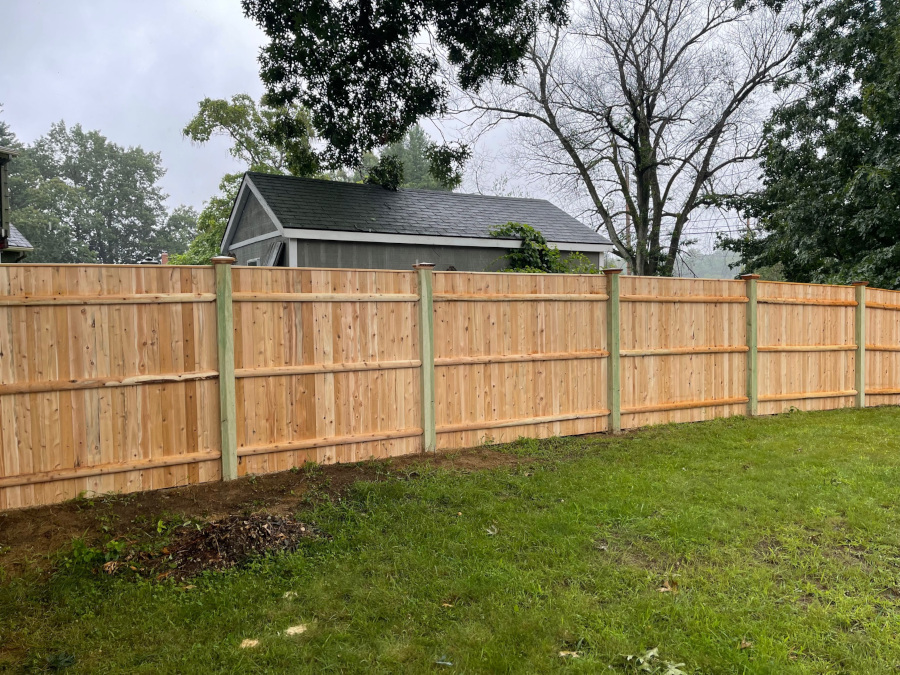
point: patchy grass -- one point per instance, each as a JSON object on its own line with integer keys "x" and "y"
{"x": 734, "y": 546}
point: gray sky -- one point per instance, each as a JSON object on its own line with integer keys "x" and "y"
{"x": 132, "y": 69}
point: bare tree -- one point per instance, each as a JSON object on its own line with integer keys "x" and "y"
{"x": 647, "y": 108}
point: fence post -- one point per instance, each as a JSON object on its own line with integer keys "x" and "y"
{"x": 426, "y": 349}
{"x": 613, "y": 339}
{"x": 752, "y": 345}
{"x": 225, "y": 339}
{"x": 860, "y": 381}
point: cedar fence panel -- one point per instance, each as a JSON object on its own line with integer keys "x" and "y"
{"x": 684, "y": 353}
{"x": 882, "y": 347}
{"x": 107, "y": 380}
{"x": 109, "y": 375}
{"x": 327, "y": 366}
{"x": 806, "y": 347}
{"x": 518, "y": 355}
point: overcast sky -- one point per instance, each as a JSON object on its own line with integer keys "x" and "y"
{"x": 134, "y": 70}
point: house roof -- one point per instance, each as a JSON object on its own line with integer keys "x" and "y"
{"x": 312, "y": 204}
{"x": 17, "y": 241}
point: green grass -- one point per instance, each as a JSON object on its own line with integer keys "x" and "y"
{"x": 782, "y": 533}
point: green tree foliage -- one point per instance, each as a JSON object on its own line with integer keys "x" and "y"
{"x": 263, "y": 138}
{"x": 829, "y": 210}
{"x": 366, "y": 75}
{"x": 211, "y": 224}
{"x": 537, "y": 256}
{"x": 268, "y": 139}
{"x": 414, "y": 151}
{"x": 388, "y": 173}
{"x": 7, "y": 137}
{"x": 423, "y": 164}
{"x": 80, "y": 198}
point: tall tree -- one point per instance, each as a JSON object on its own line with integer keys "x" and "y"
{"x": 413, "y": 163}
{"x": 414, "y": 152}
{"x": 644, "y": 109}
{"x": 829, "y": 209}
{"x": 80, "y": 198}
{"x": 263, "y": 138}
{"x": 363, "y": 70}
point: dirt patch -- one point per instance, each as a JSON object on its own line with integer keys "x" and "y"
{"x": 29, "y": 536}
{"x": 219, "y": 545}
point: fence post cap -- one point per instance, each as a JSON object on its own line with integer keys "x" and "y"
{"x": 748, "y": 277}
{"x": 612, "y": 270}
{"x": 859, "y": 283}
{"x": 222, "y": 260}
{"x": 423, "y": 266}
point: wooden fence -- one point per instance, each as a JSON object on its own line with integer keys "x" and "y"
{"x": 124, "y": 378}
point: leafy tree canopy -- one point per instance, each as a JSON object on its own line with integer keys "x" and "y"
{"x": 363, "y": 70}
{"x": 415, "y": 161}
{"x": 537, "y": 256}
{"x": 80, "y": 198}
{"x": 829, "y": 209}
{"x": 271, "y": 139}
{"x": 211, "y": 223}
{"x": 264, "y": 138}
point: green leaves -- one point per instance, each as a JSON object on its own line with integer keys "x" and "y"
{"x": 831, "y": 197}
{"x": 536, "y": 255}
{"x": 273, "y": 139}
{"x": 78, "y": 197}
{"x": 363, "y": 70}
{"x": 388, "y": 173}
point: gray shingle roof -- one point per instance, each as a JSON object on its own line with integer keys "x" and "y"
{"x": 332, "y": 205}
{"x": 18, "y": 240}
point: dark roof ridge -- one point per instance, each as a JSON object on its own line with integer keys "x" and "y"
{"x": 402, "y": 189}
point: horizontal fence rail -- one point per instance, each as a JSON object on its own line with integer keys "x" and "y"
{"x": 126, "y": 378}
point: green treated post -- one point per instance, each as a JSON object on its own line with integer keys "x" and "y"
{"x": 613, "y": 339}
{"x": 426, "y": 348}
{"x": 752, "y": 346}
{"x": 225, "y": 339}
{"x": 860, "y": 381}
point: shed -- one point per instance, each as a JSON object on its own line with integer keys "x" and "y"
{"x": 17, "y": 247}
{"x": 305, "y": 222}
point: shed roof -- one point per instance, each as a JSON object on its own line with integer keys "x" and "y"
{"x": 313, "y": 204}
{"x": 17, "y": 241}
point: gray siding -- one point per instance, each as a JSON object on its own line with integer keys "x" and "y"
{"x": 260, "y": 249}
{"x": 367, "y": 255}
{"x": 253, "y": 221}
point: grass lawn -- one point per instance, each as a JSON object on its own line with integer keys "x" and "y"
{"x": 775, "y": 541}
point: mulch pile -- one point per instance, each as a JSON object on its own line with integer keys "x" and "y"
{"x": 220, "y": 545}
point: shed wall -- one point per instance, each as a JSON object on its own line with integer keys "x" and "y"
{"x": 368, "y": 255}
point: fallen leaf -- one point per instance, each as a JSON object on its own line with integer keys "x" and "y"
{"x": 569, "y": 655}
{"x": 669, "y": 587}
{"x": 492, "y": 530}
{"x": 745, "y": 644}
{"x": 295, "y": 630}
{"x": 443, "y": 662}
{"x": 446, "y": 604}
{"x": 249, "y": 643}
{"x": 111, "y": 567}
{"x": 290, "y": 595}
{"x": 188, "y": 587}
